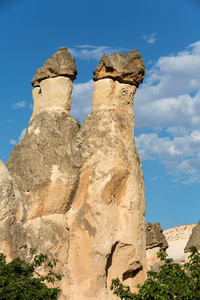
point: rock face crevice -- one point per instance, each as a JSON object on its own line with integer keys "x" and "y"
{"x": 80, "y": 191}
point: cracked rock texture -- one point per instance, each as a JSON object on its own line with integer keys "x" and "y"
{"x": 125, "y": 68}
{"x": 77, "y": 194}
{"x": 155, "y": 240}
{"x": 59, "y": 64}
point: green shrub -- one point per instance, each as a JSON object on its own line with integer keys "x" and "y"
{"x": 21, "y": 280}
{"x": 172, "y": 281}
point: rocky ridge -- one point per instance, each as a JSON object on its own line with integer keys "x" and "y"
{"x": 74, "y": 193}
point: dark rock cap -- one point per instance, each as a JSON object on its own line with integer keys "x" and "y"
{"x": 126, "y": 68}
{"x": 59, "y": 64}
{"x": 155, "y": 236}
{"x": 194, "y": 239}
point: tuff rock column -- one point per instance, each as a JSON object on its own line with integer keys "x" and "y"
{"x": 44, "y": 172}
{"x": 106, "y": 219}
{"x": 79, "y": 193}
{"x": 42, "y": 162}
{"x": 54, "y": 82}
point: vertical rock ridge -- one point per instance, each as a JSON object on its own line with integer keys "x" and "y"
{"x": 83, "y": 187}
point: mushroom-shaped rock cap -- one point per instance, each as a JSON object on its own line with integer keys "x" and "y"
{"x": 59, "y": 64}
{"x": 126, "y": 68}
{"x": 194, "y": 239}
{"x": 155, "y": 236}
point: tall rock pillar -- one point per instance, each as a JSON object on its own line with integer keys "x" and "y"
{"x": 79, "y": 192}
{"x": 53, "y": 82}
{"x": 106, "y": 218}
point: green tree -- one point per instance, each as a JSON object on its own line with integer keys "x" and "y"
{"x": 172, "y": 281}
{"x": 20, "y": 280}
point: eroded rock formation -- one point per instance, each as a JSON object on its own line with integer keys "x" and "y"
{"x": 74, "y": 193}
{"x": 194, "y": 240}
{"x": 155, "y": 240}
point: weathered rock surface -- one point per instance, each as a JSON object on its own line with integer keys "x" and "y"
{"x": 155, "y": 240}
{"x": 42, "y": 164}
{"x": 53, "y": 92}
{"x": 11, "y": 210}
{"x": 194, "y": 240}
{"x": 125, "y": 68}
{"x": 105, "y": 243}
{"x": 59, "y": 64}
{"x": 155, "y": 236}
{"x": 81, "y": 191}
{"x": 110, "y": 93}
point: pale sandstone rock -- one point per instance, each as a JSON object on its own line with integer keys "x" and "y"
{"x": 110, "y": 197}
{"x": 37, "y": 98}
{"x": 53, "y": 92}
{"x": 11, "y": 211}
{"x": 152, "y": 259}
{"x": 7, "y": 204}
{"x": 82, "y": 191}
{"x": 110, "y": 93}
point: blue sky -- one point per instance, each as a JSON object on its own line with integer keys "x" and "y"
{"x": 166, "y": 105}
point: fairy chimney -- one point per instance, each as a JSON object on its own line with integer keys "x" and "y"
{"x": 81, "y": 189}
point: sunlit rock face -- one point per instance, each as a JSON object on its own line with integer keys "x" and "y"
{"x": 194, "y": 240}
{"x": 155, "y": 240}
{"x": 82, "y": 189}
{"x": 54, "y": 82}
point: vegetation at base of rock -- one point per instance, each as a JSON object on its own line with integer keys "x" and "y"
{"x": 172, "y": 281}
{"x": 21, "y": 280}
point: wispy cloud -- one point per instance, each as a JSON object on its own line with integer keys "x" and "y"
{"x": 88, "y": 52}
{"x": 150, "y": 39}
{"x": 30, "y": 106}
{"x": 22, "y": 134}
{"x": 13, "y": 142}
{"x": 19, "y": 104}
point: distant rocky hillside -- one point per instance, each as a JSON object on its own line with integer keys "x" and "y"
{"x": 177, "y": 239}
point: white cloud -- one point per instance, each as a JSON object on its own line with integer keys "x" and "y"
{"x": 88, "y": 52}
{"x": 150, "y": 39}
{"x": 30, "y": 106}
{"x": 177, "y": 130}
{"x": 82, "y": 100}
{"x": 170, "y": 100}
{"x": 19, "y": 105}
{"x": 22, "y": 134}
{"x": 180, "y": 155}
{"x": 170, "y": 94}
{"x": 13, "y": 142}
